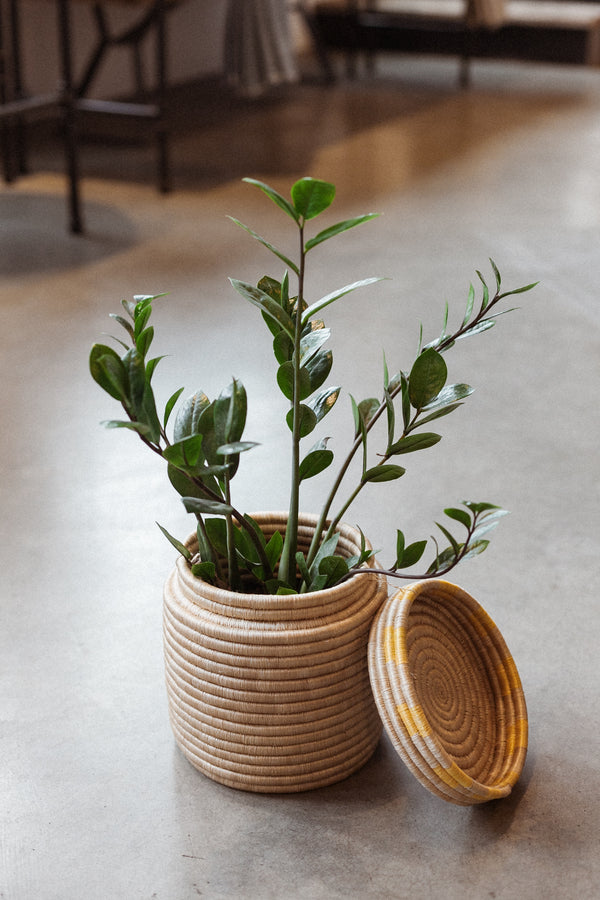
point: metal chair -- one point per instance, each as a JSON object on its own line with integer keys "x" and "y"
{"x": 70, "y": 100}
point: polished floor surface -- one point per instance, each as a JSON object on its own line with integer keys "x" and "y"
{"x": 96, "y": 801}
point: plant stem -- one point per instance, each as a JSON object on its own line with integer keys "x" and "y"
{"x": 287, "y": 566}
{"x": 234, "y": 573}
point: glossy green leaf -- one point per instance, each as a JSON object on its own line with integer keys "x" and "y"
{"x": 312, "y": 342}
{"x": 475, "y": 549}
{"x": 400, "y": 543}
{"x": 181, "y": 548}
{"x": 340, "y": 227}
{"x": 327, "y": 548}
{"x": 391, "y": 419}
{"x": 334, "y": 567}
{"x": 324, "y": 401}
{"x": 366, "y": 409}
{"x": 265, "y": 303}
{"x": 412, "y": 554}
{"x": 275, "y": 196}
{"x": 385, "y": 472}
{"x": 311, "y": 197}
{"x": 314, "y": 463}
{"x": 216, "y": 532}
{"x": 125, "y": 324}
{"x": 283, "y": 347}
{"x": 136, "y": 377}
{"x": 452, "y": 393}
{"x": 413, "y": 442}
{"x": 204, "y": 570}
{"x": 185, "y": 454}
{"x": 470, "y": 304}
{"x": 144, "y": 340}
{"x": 427, "y": 378}
{"x": 230, "y": 411}
{"x": 138, "y": 427}
{"x": 206, "y": 507}
{"x": 170, "y": 405}
{"x": 107, "y": 370}
{"x": 285, "y": 380}
{"x": 307, "y": 420}
{"x": 288, "y": 262}
{"x": 459, "y": 515}
{"x": 335, "y": 295}
{"x": 235, "y": 447}
{"x": 188, "y": 416}
{"x": 318, "y": 368}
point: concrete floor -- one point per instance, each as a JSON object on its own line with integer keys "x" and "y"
{"x": 97, "y": 802}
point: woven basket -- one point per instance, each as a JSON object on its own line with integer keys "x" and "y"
{"x": 272, "y": 694}
{"x": 449, "y": 693}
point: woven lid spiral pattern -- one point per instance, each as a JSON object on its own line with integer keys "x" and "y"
{"x": 449, "y": 693}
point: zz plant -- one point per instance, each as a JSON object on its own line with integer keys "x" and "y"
{"x": 203, "y": 454}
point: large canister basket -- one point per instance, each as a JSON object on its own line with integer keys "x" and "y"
{"x": 272, "y": 693}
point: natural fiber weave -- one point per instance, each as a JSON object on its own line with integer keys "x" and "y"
{"x": 449, "y": 693}
{"x": 272, "y": 694}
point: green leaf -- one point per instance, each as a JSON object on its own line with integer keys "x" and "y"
{"x": 405, "y": 400}
{"x": 230, "y": 413}
{"x": 288, "y": 262}
{"x": 188, "y": 417}
{"x": 107, "y": 370}
{"x": 480, "y": 327}
{"x": 216, "y": 531}
{"x": 303, "y": 568}
{"x": 265, "y": 303}
{"x": 450, "y": 394}
{"x": 413, "y": 442}
{"x": 470, "y": 304}
{"x": 124, "y": 323}
{"x": 311, "y": 197}
{"x": 366, "y": 409}
{"x": 459, "y": 515}
{"x": 136, "y": 378}
{"x": 338, "y": 229}
{"x": 181, "y": 548}
{"x": 324, "y": 401}
{"x": 312, "y": 342}
{"x": 206, "y": 507}
{"x": 307, "y": 420}
{"x": 427, "y": 378}
{"x": 400, "y": 542}
{"x": 314, "y": 463}
{"x": 391, "y": 419}
{"x": 334, "y": 567}
{"x": 450, "y": 537}
{"x": 170, "y": 404}
{"x": 144, "y": 340}
{"x": 318, "y": 368}
{"x": 185, "y": 454}
{"x": 496, "y": 274}
{"x": 384, "y": 472}
{"x": 204, "y": 570}
{"x": 138, "y": 427}
{"x": 285, "y": 380}
{"x": 475, "y": 549}
{"x": 273, "y": 549}
{"x": 235, "y": 447}
{"x": 275, "y": 196}
{"x": 412, "y": 554}
{"x": 335, "y": 295}
{"x": 283, "y": 347}
{"x": 486, "y": 292}
{"x": 327, "y": 548}
{"x": 445, "y": 411}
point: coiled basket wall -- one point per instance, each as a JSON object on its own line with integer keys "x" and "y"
{"x": 272, "y": 693}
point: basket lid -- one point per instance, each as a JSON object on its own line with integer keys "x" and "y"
{"x": 448, "y": 692}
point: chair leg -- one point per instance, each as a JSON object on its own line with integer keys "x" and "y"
{"x": 161, "y": 73}
{"x": 68, "y": 117}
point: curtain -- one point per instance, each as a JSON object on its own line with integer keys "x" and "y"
{"x": 259, "y": 51}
